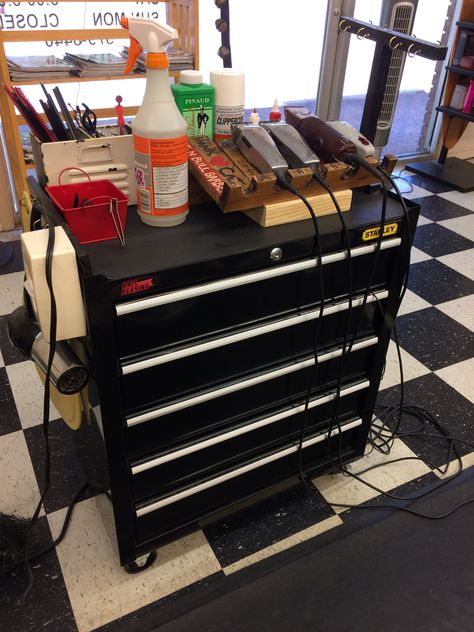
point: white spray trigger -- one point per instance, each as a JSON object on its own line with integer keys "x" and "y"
{"x": 152, "y": 36}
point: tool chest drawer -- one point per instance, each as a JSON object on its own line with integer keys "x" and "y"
{"x": 185, "y": 316}
{"x": 188, "y": 504}
{"x": 207, "y": 411}
{"x": 188, "y": 369}
{"x": 184, "y": 462}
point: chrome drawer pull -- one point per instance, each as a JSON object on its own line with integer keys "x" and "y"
{"x": 253, "y": 332}
{"x": 244, "y": 279}
{"x": 202, "y": 445}
{"x": 142, "y": 510}
{"x": 242, "y": 384}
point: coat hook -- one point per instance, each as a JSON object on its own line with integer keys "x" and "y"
{"x": 410, "y": 54}
{"x": 340, "y": 26}
{"x": 396, "y": 45}
{"x": 363, "y": 36}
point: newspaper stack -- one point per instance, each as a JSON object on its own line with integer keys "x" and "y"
{"x": 38, "y": 68}
{"x": 96, "y": 65}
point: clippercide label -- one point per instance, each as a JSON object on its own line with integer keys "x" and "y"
{"x": 225, "y": 115}
{"x": 161, "y": 175}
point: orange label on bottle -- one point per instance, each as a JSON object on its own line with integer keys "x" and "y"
{"x": 161, "y": 174}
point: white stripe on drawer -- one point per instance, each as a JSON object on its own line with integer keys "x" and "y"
{"x": 246, "y": 334}
{"x": 245, "y": 279}
{"x": 169, "y": 500}
{"x": 202, "y": 445}
{"x": 237, "y": 386}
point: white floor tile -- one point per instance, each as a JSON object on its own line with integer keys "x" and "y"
{"x": 411, "y": 367}
{"x": 99, "y": 590}
{"x": 2, "y": 363}
{"x": 462, "y": 225}
{"x": 461, "y": 377}
{"x": 417, "y": 192}
{"x": 412, "y": 303}
{"x": 422, "y": 220}
{"x": 460, "y": 310}
{"x": 11, "y": 292}
{"x": 286, "y": 543}
{"x": 19, "y": 492}
{"x": 463, "y": 199}
{"x": 417, "y": 256}
{"x": 338, "y": 488}
{"x": 28, "y": 392}
{"x": 462, "y": 262}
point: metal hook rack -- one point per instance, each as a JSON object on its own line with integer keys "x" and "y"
{"x": 393, "y": 39}
{"x": 387, "y": 42}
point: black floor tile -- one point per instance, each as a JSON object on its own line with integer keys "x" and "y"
{"x": 408, "y": 490}
{"x": 265, "y": 523}
{"x": 67, "y": 471}
{"x": 449, "y": 408}
{"x": 433, "y": 338}
{"x": 436, "y": 240}
{"x": 47, "y": 606}
{"x": 9, "y": 353}
{"x": 437, "y": 208}
{"x": 437, "y": 283}
{"x": 9, "y": 420}
{"x": 15, "y": 263}
{"x": 425, "y": 183}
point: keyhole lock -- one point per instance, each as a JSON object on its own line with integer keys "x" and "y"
{"x": 276, "y": 254}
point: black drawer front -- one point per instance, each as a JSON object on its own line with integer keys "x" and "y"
{"x": 186, "y": 320}
{"x": 195, "y": 507}
{"x": 182, "y": 377}
{"x": 212, "y": 416}
{"x": 208, "y": 461}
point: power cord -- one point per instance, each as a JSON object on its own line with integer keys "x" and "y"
{"x": 317, "y": 254}
{"x": 16, "y": 533}
{"x": 388, "y": 435}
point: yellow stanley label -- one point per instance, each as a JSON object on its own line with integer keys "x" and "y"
{"x": 373, "y": 233}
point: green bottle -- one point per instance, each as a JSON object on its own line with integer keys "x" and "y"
{"x": 195, "y": 101}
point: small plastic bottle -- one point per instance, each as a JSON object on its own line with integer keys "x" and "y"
{"x": 275, "y": 114}
{"x": 254, "y": 117}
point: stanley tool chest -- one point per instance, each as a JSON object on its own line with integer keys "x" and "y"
{"x": 200, "y": 342}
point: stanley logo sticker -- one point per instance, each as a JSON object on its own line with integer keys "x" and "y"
{"x": 373, "y": 233}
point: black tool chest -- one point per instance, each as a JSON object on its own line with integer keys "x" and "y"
{"x": 200, "y": 341}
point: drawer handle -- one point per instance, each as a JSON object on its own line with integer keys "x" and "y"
{"x": 246, "y": 334}
{"x": 267, "y": 421}
{"x": 245, "y": 279}
{"x": 144, "y": 509}
{"x": 242, "y": 384}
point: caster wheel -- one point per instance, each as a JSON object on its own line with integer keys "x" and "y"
{"x": 133, "y": 568}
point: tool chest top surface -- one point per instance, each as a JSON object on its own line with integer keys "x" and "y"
{"x": 210, "y": 237}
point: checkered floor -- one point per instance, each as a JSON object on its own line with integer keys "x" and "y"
{"x": 81, "y": 587}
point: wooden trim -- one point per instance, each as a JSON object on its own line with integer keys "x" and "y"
{"x": 7, "y": 212}
{"x": 69, "y": 34}
{"x": 11, "y": 132}
{"x": 74, "y": 79}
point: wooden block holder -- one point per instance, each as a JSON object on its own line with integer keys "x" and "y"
{"x": 236, "y": 185}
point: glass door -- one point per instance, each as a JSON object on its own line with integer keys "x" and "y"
{"x": 414, "y": 114}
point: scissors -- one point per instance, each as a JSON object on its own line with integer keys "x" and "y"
{"x": 89, "y": 120}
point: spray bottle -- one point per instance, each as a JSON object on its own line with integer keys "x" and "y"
{"x": 159, "y": 130}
